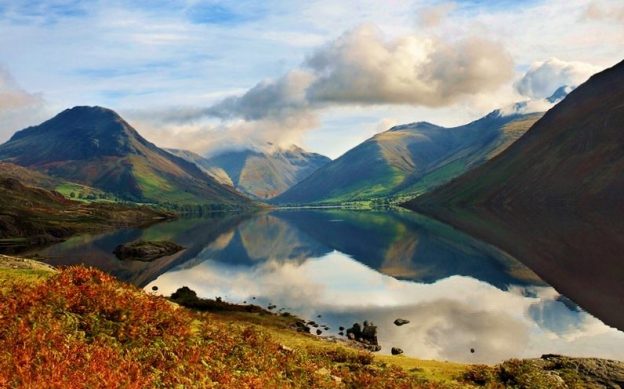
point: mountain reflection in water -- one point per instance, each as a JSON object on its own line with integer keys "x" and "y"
{"x": 352, "y": 266}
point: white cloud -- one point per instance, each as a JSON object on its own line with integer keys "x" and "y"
{"x": 363, "y": 67}
{"x": 435, "y": 15}
{"x": 604, "y": 11}
{"x": 543, "y": 78}
{"x": 18, "y": 108}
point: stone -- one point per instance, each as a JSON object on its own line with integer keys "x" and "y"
{"x": 286, "y": 348}
{"x": 396, "y": 351}
{"x": 400, "y": 322}
{"x": 146, "y": 251}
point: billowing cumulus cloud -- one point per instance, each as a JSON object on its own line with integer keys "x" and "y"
{"x": 360, "y": 67}
{"x": 271, "y": 98}
{"x": 18, "y": 108}
{"x": 543, "y": 78}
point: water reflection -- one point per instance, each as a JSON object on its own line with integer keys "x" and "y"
{"x": 352, "y": 266}
{"x": 448, "y": 317}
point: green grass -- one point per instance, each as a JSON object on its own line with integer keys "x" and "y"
{"x": 84, "y": 193}
{"x": 436, "y": 177}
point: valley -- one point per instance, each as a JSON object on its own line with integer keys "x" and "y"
{"x": 213, "y": 194}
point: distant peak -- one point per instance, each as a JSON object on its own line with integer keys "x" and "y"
{"x": 413, "y": 126}
{"x": 292, "y": 148}
{"x": 90, "y": 110}
{"x": 560, "y": 93}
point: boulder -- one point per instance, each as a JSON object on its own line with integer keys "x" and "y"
{"x": 396, "y": 351}
{"x": 366, "y": 335}
{"x": 301, "y": 326}
{"x": 400, "y": 322}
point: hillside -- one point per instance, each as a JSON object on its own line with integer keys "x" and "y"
{"x": 554, "y": 198}
{"x": 410, "y": 158}
{"x": 94, "y": 146}
{"x": 32, "y": 216}
{"x": 68, "y": 189}
{"x": 266, "y": 174}
{"x": 217, "y": 173}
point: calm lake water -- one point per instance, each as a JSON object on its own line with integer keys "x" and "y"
{"x": 350, "y": 266}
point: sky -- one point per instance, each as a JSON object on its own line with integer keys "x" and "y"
{"x": 325, "y": 75}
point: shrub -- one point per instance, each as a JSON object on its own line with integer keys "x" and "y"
{"x": 82, "y": 328}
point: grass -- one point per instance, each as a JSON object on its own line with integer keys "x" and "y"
{"x": 84, "y": 193}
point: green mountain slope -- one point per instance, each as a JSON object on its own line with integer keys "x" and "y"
{"x": 31, "y": 216}
{"x": 410, "y": 158}
{"x": 265, "y": 175}
{"x": 68, "y": 189}
{"x": 94, "y": 146}
{"x": 553, "y": 199}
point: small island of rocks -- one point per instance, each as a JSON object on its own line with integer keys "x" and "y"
{"x": 146, "y": 251}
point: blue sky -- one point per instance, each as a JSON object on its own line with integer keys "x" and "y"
{"x": 167, "y": 65}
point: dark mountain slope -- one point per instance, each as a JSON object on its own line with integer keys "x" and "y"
{"x": 554, "y": 198}
{"x": 96, "y": 147}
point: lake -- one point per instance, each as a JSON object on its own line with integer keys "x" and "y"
{"x": 349, "y": 266}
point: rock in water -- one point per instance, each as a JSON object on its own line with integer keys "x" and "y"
{"x": 146, "y": 251}
{"x": 369, "y": 333}
{"x": 366, "y": 335}
{"x": 400, "y": 322}
{"x": 396, "y": 351}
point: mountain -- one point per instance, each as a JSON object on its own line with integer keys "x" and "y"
{"x": 94, "y": 146}
{"x": 263, "y": 174}
{"x": 409, "y": 158}
{"x": 560, "y": 94}
{"x": 217, "y": 173}
{"x": 553, "y": 199}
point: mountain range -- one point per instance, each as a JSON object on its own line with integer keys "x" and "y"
{"x": 265, "y": 174}
{"x": 553, "y": 199}
{"x": 409, "y": 158}
{"x": 94, "y": 146}
{"x": 217, "y": 173}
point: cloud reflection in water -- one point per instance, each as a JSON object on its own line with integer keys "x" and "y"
{"x": 448, "y": 317}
